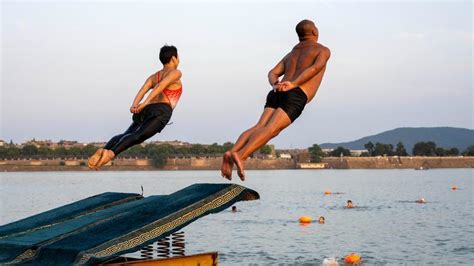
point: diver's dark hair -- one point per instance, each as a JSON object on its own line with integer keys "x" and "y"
{"x": 349, "y": 201}
{"x": 167, "y": 52}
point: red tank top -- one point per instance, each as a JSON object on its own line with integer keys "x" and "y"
{"x": 172, "y": 95}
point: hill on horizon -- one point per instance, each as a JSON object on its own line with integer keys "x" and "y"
{"x": 445, "y": 137}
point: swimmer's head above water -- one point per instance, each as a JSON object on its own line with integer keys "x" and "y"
{"x": 321, "y": 220}
{"x": 349, "y": 204}
{"x": 169, "y": 56}
{"x": 421, "y": 200}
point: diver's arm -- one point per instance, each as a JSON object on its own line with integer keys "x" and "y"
{"x": 275, "y": 73}
{"x": 143, "y": 90}
{"x": 318, "y": 65}
{"x": 172, "y": 77}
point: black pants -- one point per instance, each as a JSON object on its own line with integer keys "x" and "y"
{"x": 151, "y": 120}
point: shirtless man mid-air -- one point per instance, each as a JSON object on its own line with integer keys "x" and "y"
{"x": 302, "y": 70}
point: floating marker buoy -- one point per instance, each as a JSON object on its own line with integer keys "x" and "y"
{"x": 327, "y": 192}
{"x": 330, "y": 262}
{"x": 352, "y": 258}
{"x": 305, "y": 219}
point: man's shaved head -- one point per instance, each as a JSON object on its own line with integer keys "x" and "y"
{"x": 306, "y": 28}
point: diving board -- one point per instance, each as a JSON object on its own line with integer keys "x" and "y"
{"x": 111, "y": 224}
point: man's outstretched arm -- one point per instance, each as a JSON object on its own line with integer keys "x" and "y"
{"x": 310, "y": 72}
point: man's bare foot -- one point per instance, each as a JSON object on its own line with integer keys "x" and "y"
{"x": 240, "y": 166}
{"x": 107, "y": 156}
{"x": 227, "y": 165}
{"x": 94, "y": 159}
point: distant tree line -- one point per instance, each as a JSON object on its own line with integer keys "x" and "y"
{"x": 385, "y": 149}
{"x": 158, "y": 153}
{"x": 419, "y": 149}
{"x": 31, "y": 151}
{"x": 379, "y": 149}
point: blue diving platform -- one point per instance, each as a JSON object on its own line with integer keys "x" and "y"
{"x": 111, "y": 224}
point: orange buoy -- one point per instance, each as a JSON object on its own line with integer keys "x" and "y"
{"x": 352, "y": 258}
{"x": 454, "y": 188}
{"x": 305, "y": 219}
{"x": 327, "y": 192}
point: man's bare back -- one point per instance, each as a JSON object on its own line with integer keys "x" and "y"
{"x": 302, "y": 57}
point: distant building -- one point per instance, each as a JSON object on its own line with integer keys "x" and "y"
{"x": 292, "y": 152}
{"x": 2, "y": 143}
{"x": 41, "y": 143}
{"x": 285, "y": 156}
{"x": 327, "y": 150}
{"x": 67, "y": 144}
{"x": 357, "y": 153}
{"x": 97, "y": 144}
{"x": 172, "y": 143}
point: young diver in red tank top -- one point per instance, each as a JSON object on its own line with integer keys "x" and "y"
{"x": 151, "y": 115}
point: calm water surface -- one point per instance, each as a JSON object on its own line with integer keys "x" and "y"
{"x": 386, "y": 228}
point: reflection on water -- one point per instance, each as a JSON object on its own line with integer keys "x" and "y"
{"x": 385, "y": 228}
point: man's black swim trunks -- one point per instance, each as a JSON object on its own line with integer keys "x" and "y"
{"x": 292, "y": 102}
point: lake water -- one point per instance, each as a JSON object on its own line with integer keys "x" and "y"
{"x": 387, "y": 227}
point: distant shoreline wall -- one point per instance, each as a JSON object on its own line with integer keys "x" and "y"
{"x": 395, "y": 162}
{"x": 214, "y": 163}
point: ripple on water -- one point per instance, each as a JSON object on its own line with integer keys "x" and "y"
{"x": 464, "y": 250}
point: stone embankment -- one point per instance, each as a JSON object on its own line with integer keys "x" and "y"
{"x": 214, "y": 163}
{"x": 395, "y": 162}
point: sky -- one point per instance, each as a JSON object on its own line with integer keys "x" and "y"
{"x": 70, "y": 70}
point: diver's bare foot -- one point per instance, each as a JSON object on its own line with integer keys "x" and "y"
{"x": 107, "y": 156}
{"x": 240, "y": 166}
{"x": 94, "y": 159}
{"x": 224, "y": 167}
{"x": 230, "y": 162}
{"x": 227, "y": 164}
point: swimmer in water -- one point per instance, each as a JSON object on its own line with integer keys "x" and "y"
{"x": 302, "y": 70}
{"x": 321, "y": 220}
{"x": 234, "y": 209}
{"x": 349, "y": 204}
{"x": 422, "y": 200}
{"x": 150, "y": 114}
